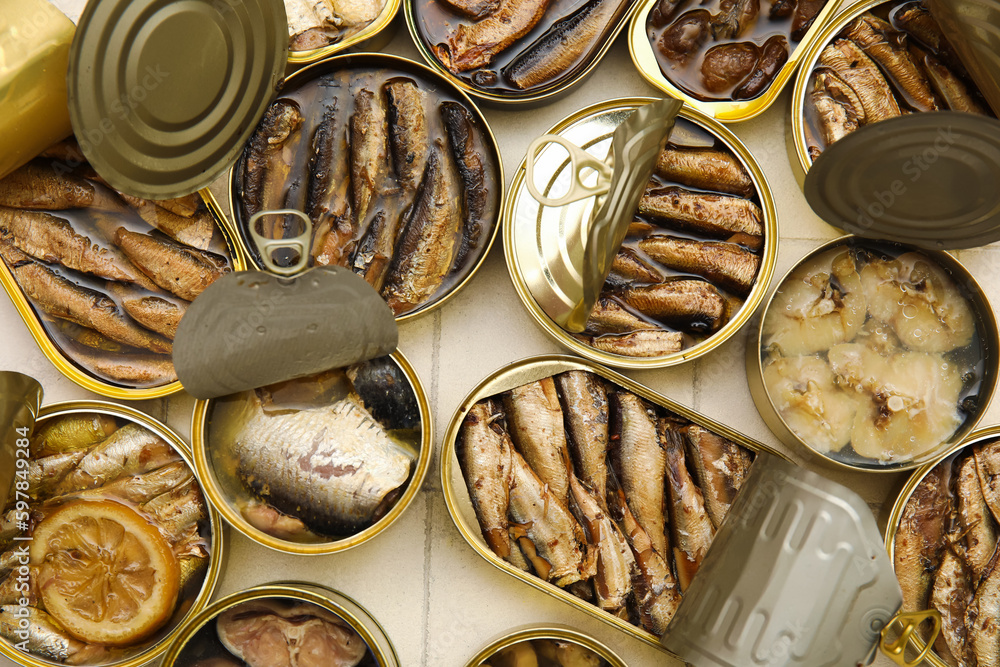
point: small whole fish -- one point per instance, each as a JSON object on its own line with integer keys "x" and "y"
{"x": 585, "y": 406}
{"x": 45, "y": 473}
{"x": 459, "y": 123}
{"x": 474, "y": 9}
{"x": 408, "y": 136}
{"x": 644, "y": 343}
{"x": 37, "y": 185}
{"x": 707, "y": 213}
{"x": 686, "y": 35}
{"x": 369, "y": 151}
{"x": 46, "y": 638}
{"x": 150, "y": 310}
{"x": 871, "y": 34}
{"x": 773, "y": 56}
{"x": 563, "y": 47}
{"x": 472, "y": 46}
{"x": 628, "y": 266}
{"x": 613, "y": 577}
{"x": 805, "y": 15}
{"x": 327, "y": 199}
{"x": 131, "y": 450}
{"x": 193, "y": 230}
{"x": 984, "y": 630}
{"x": 176, "y": 510}
{"x": 976, "y": 520}
{"x": 917, "y": 21}
{"x": 951, "y": 595}
{"x": 950, "y": 88}
{"x": 987, "y": 458}
{"x": 920, "y": 537}
{"x": 735, "y": 17}
{"x": 72, "y": 432}
{"x": 186, "y": 206}
{"x": 373, "y": 257}
{"x": 67, "y": 150}
{"x": 691, "y": 529}
{"x": 144, "y": 487}
{"x": 535, "y": 420}
{"x": 134, "y": 368}
{"x": 178, "y": 269}
{"x": 266, "y": 163}
{"x": 720, "y": 467}
{"x": 694, "y": 304}
{"x": 837, "y": 106}
{"x": 729, "y": 265}
{"x": 705, "y": 168}
{"x": 610, "y": 316}
{"x": 846, "y": 59}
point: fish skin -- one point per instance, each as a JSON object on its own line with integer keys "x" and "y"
{"x": 186, "y": 206}
{"x": 39, "y": 186}
{"x": 47, "y": 639}
{"x": 917, "y": 21}
{"x": 837, "y": 106}
{"x": 193, "y": 230}
{"x": 610, "y": 316}
{"x": 131, "y": 450}
{"x": 735, "y": 17}
{"x": 408, "y": 135}
{"x": 71, "y": 432}
{"x": 614, "y": 560}
{"x": 535, "y": 422}
{"x": 704, "y": 168}
{"x": 265, "y": 169}
{"x": 691, "y": 529}
{"x": 459, "y": 124}
{"x": 333, "y": 466}
{"x": 140, "y": 488}
{"x": 629, "y": 266}
{"x": 58, "y": 297}
{"x": 176, "y": 510}
{"x": 426, "y": 249}
{"x": 54, "y": 240}
{"x": 728, "y": 265}
{"x": 584, "y": 400}
{"x": 976, "y": 519}
{"x": 327, "y": 199}
{"x": 374, "y": 254}
{"x": 987, "y": 458}
{"x": 640, "y": 465}
{"x": 951, "y": 595}
{"x": 709, "y": 213}
{"x": 130, "y": 368}
{"x": 474, "y": 9}
{"x": 854, "y": 68}
{"x": 695, "y": 304}
{"x": 950, "y": 88}
{"x": 149, "y": 310}
{"x": 869, "y": 32}
{"x": 720, "y": 467}
{"x": 643, "y": 343}
{"x": 369, "y": 151}
{"x": 469, "y": 47}
{"x": 919, "y": 540}
{"x": 180, "y": 270}
{"x": 805, "y": 15}
{"x": 483, "y": 450}
{"x": 67, "y": 150}
{"x": 563, "y": 47}
{"x": 552, "y": 539}
{"x": 984, "y": 628}
{"x": 773, "y": 56}
{"x": 45, "y": 473}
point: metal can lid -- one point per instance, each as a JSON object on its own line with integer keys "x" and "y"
{"x": 973, "y": 28}
{"x": 926, "y": 179}
{"x": 163, "y": 95}
{"x": 20, "y": 400}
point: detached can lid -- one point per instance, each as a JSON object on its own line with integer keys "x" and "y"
{"x": 926, "y": 179}
{"x": 164, "y": 94}
{"x": 20, "y": 401}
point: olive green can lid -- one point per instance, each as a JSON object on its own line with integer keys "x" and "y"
{"x": 164, "y": 94}
{"x": 926, "y": 179}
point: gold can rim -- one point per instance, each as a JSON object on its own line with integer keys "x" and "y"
{"x": 525, "y": 370}
{"x": 380, "y": 23}
{"x": 489, "y": 139}
{"x": 750, "y": 305}
{"x": 217, "y": 497}
{"x": 216, "y": 550}
{"x": 725, "y": 111}
{"x": 755, "y": 361}
{"x": 70, "y": 370}
{"x": 318, "y": 594}
{"x": 547, "y": 632}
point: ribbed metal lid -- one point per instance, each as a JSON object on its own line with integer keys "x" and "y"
{"x": 163, "y": 94}
{"x": 927, "y": 179}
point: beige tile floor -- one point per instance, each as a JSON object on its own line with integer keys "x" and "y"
{"x": 437, "y": 599}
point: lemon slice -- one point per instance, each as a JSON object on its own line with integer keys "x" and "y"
{"x": 105, "y": 572}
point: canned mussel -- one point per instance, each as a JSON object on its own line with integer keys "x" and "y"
{"x": 397, "y": 170}
{"x": 107, "y": 543}
{"x": 101, "y": 278}
{"x": 317, "y": 464}
{"x": 516, "y": 51}
{"x": 284, "y": 623}
{"x": 724, "y": 58}
{"x": 697, "y": 257}
{"x": 875, "y": 355}
{"x": 546, "y": 647}
{"x": 322, "y": 28}
{"x": 591, "y": 487}
{"x": 877, "y": 60}
{"x": 942, "y": 537}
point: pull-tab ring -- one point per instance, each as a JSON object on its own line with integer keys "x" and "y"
{"x": 266, "y": 246}
{"x": 580, "y": 160}
{"x": 909, "y": 622}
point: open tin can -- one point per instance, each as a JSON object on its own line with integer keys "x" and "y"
{"x": 648, "y": 27}
{"x": 372, "y": 36}
{"x": 201, "y": 560}
{"x": 329, "y": 94}
{"x": 223, "y": 431}
{"x": 560, "y": 647}
{"x": 923, "y": 505}
{"x": 871, "y": 382}
{"x": 199, "y": 642}
{"x": 536, "y": 234}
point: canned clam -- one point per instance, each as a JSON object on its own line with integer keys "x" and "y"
{"x": 546, "y": 647}
{"x": 111, "y": 504}
{"x": 296, "y": 619}
{"x": 874, "y": 355}
{"x": 315, "y": 31}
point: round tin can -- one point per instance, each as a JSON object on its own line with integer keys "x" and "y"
{"x": 380, "y": 649}
{"x": 727, "y": 111}
{"x": 978, "y": 437}
{"x": 607, "y": 657}
{"x": 593, "y": 126}
{"x": 421, "y": 73}
{"x": 417, "y": 14}
{"x": 985, "y": 367}
{"x": 216, "y": 468}
{"x": 518, "y": 373}
{"x": 187, "y": 608}
{"x": 372, "y": 37}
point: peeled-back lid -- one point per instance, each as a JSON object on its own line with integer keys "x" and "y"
{"x": 20, "y": 400}
{"x": 164, "y": 94}
{"x": 797, "y": 576}
{"x": 973, "y": 28}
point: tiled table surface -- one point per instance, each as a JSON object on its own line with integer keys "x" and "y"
{"x": 437, "y": 599}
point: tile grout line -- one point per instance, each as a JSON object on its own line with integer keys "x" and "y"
{"x": 428, "y": 515}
